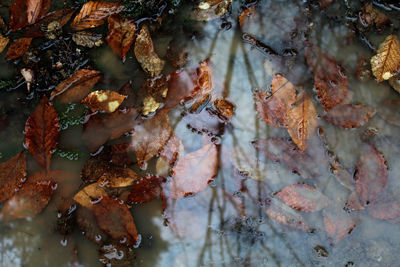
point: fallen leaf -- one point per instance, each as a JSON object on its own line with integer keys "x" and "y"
{"x": 386, "y": 63}
{"x": 324, "y": 4}
{"x": 371, "y": 174}
{"x": 150, "y": 137}
{"x": 224, "y": 107}
{"x": 121, "y": 34}
{"x": 41, "y": 132}
{"x": 90, "y": 195}
{"x": 115, "y": 219}
{"x": 349, "y": 115}
{"x": 193, "y": 172}
{"x": 180, "y": 85}
{"x": 171, "y": 150}
{"x": 386, "y": 208}
{"x": 210, "y": 9}
{"x": 353, "y": 202}
{"x": 25, "y": 12}
{"x": 12, "y": 176}
{"x": 3, "y": 42}
{"x": 338, "y": 223}
{"x": 152, "y": 94}
{"x": 389, "y": 110}
{"x": 303, "y": 197}
{"x": 120, "y": 154}
{"x": 77, "y": 86}
{"x": 87, "y": 39}
{"x": 202, "y": 85}
{"x": 207, "y": 122}
{"x": 370, "y": 16}
{"x": 146, "y": 189}
{"x": 280, "y": 213}
{"x": 97, "y": 130}
{"x": 302, "y": 121}
{"x": 18, "y": 48}
{"x": 330, "y": 81}
{"x": 395, "y": 83}
{"x": 29, "y": 201}
{"x": 363, "y": 72}
{"x": 177, "y": 53}
{"x": 95, "y": 13}
{"x": 248, "y": 12}
{"x": 103, "y": 100}
{"x": 118, "y": 177}
{"x": 88, "y": 225}
{"x": 146, "y": 54}
{"x": 131, "y": 96}
{"x": 95, "y": 167}
{"x": 286, "y": 152}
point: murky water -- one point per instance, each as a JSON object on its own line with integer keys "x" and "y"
{"x": 222, "y": 226}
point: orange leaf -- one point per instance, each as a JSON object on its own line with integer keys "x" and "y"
{"x": 193, "y": 172}
{"x": 12, "y": 174}
{"x": 349, "y": 115}
{"x": 203, "y": 84}
{"x": 103, "y": 100}
{"x": 77, "y": 86}
{"x": 116, "y": 220}
{"x": 18, "y": 48}
{"x": 150, "y": 137}
{"x": 29, "y": 201}
{"x": 41, "y": 132}
{"x": 146, "y": 189}
{"x": 95, "y": 13}
{"x": 121, "y": 34}
{"x": 245, "y": 14}
{"x": 3, "y": 42}
{"x": 25, "y": 12}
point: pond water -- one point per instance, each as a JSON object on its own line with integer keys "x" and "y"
{"x": 226, "y": 224}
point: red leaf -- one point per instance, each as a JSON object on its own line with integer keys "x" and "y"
{"x": 18, "y": 48}
{"x": 29, "y": 201}
{"x": 77, "y": 86}
{"x": 338, "y": 223}
{"x": 386, "y": 208}
{"x": 349, "y": 115}
{"x": 193, "y": 172}
{"x": 330, "y": 81}
{"x": 286, "y": 152}
{"x": 371, "y": 174}
{"x": 12, "y": 174}
{"x": 146, "y": 189}
{"x": 303, "y": 197}
{"x": 41, "y": 132}
{"x": 87, "y": 224}
{"x": 121, "y": 34}
{"x": 25, "y": 12}
{"x": 116, "y": 220}
{"x": 120, "y": 154}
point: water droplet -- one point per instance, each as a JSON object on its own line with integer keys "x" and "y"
{"x": 216, "y": 140}
{"x": 97, "y": 152}
{"x": 143, "y": 166}
{"x": 98, "y": 238}
{"x": 95, "y": 201}
{"x": 71, "y": 209}
{"x": 123, "y": 240}
{"x": 54, "y": 186}
{"x": 64, "y": 242}
{"x": 139, "y": 240}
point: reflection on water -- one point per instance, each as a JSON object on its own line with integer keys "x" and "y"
{"x": 228, "y": 223}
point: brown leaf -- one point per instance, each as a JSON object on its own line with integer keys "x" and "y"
{"x": 395, "y": 83}
{"x": 87, "y": 39}
{"x": 363, "y": 71}
{"x": 120, "y": 154}
{"x": 349, "y": 115}
{"x": 193, "y": 172}
{"x": 29, "y": 201}
{"x": 202, "y": 85}
{"x": 324, "y": 4}
{"x": 118, "y": 177}
{"x": 177, "y": 53}
{"x": 18, "y": 48}
{"x": 211, "y": 9}
{"x": 90, "y": 195}
{"x": 180, "y": 85}
{"x": 330, "y": 81}
{"x": 245, "y": 14}
{"x": 303, "y": 197}
{"x": 389, "y": 110}
{"x": 146, "y": 54}
{"x": 98, "y": 130}
{"x": 338, "y": 223}
{"x": 150, "y": 137}
{"x": 114, "y": 218}
{"x": 88, "y": 225}
{"x": 41, "y": 132}
{"x": 280, "y": 213}
{"x": 152, "y": 93}
{"x": 131, "y": 96}
{"x": 95, "y": 167}
{"x": 77, "y": 86}
{"x": 146, "y": 189}
{"x": 12, "y": 175}
{"x": 224, "y": 107}
{"x": 171, "y": 150}
{"x": 302, "y": 121}
{"x": 25, "y": 12}
{"x": 386, "y": 63}
{"x": 371, "y": 174}
{"x": 95, "y": 13}
{"x": 3, "y": 42}
{"x": 370, "y": 15}
{"x": 121, "y": 34}
{"x": 286, "y": 152}
{"x": 103, "y": 100}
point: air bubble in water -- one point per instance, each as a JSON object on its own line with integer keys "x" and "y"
{"x": 64, "y": 242}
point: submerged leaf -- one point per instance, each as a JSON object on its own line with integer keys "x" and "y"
{"x": 41, "y": 132}
{"x": 3, "y": 42}
{"x": 349, "y": 115}
{"x": 25, "y": 12}
{"x": 12, "y": 174}
{"x": 88, "y": 225}
{"x": 87, "y": 39}
{"x": 121, "y": 34}
{"x": 18, "y": 48}
{"x": 338, "y": 223}
{"x": 211, "y": 9}
{"x": 146, "y": 189}
{"x": 180, "y": 85}
{"x": 103, "y": 100}
{"x": 386, "y": 62}
{"x": 389, "y": 110}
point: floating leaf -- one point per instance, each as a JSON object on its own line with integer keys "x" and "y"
{"x": 95, "y": 13}
{"x": 171, "y": 150}
{"x": 193, "y": 172}
{"x": 114, "y": 218}
{"x": 207, "y": 121}
{"x": 349, "y": 115}
{"x": 146, "y": 189}
{"x": 177, "y": 53}
{"x": 25, "y": 12}
{"x": 29, "y": 201}
{"x": 338, "y": 223}
{"x": 90, "y": 195}
{"x": 103, "y": 100}
{"x": 121, "y": 34}
{"x": 386, "y": 208}
{"x": 12, "y": 174}
{"x": 150, "y": 137}
{"x": 18, "y": 48}
{"x": 120, "y": 154}
{"x": 371, "y": 174}
{"x": 224, "y": 107}
{"x": 95, "y": 167}
{"x": 370, "y": 15}
{"x": 179, "y": 86}
{"x": 146, "y": 55}
{"x": 353, "y": 202}
{"x": 386, "y": 62}
{"x": 303, "y": 197}
{"x": 76, "y": 87}
{"x": 211, "y": 9}
{"x": 245, "y": 14}
{"x": 330, "y": 81}
{"x": 389, "y": 110}
{"x": 118, "y": 177}
{"x": 87, "y": 39}
{"x": 3, "y": 42}
{"x": 41, "y": 132}
{"x": 202, "y": 86}
{"x": 302, "y": 121}
{"x": 88, "y": 225}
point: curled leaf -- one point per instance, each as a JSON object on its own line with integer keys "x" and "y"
{"x": 121, "y": 34}
{"x": 103, "y": 100}
{"x": 349, "y": 115}
{"x": 386, "y": 62}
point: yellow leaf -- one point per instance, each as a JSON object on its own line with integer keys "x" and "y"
{"x": 386, "y": 62}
